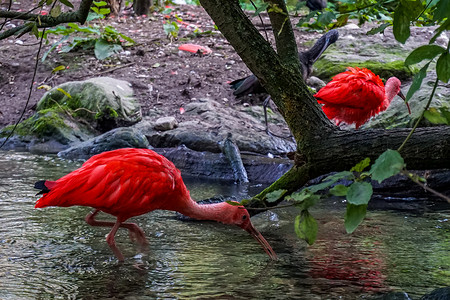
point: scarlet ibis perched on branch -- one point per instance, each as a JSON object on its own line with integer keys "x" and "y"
{"x": 356, "y": 95}
{"x": 130, "y": 182}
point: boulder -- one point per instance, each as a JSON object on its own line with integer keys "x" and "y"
{"x": 74, "y": 112}
{"x": 211, "y": 122}
{"x": 104, "y": 102}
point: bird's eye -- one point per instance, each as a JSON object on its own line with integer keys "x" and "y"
{"x": 244, "y": 217}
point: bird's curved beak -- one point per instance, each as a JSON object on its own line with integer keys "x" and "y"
{"x": 258, "y": 236}
{"x": 401, "y": 95}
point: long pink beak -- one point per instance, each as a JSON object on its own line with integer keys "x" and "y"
{"x": 265, "y": 244}
{"x": 400, "y": 94}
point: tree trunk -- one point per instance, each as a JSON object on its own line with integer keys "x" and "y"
{"x": 114, "y": 7}
{"x": 321, "y": 146}
{"x": 141, "y": 7}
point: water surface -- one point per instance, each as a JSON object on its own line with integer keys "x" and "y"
{"x": 52, "y": 253}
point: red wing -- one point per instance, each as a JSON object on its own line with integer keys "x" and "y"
{"x": 124, "y": 182}
{"x": 354, "y": 88}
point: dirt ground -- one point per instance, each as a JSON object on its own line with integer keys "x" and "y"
{"x": 164, "y": 78}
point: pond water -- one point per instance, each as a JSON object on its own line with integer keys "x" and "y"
{"x": 52, "y": 253}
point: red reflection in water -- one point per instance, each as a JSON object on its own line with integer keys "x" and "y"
{"x": 343, "y": 258}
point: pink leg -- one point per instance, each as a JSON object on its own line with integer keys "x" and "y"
{"x": 135, "y": 232}
{"x": 112, "y": 243}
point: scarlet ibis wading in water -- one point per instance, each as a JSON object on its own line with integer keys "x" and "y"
{"x": 130, "y": 182}
{"x": 356, "y": 95}
{"x": 251, "y": 84}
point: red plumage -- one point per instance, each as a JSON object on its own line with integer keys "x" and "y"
{"x": 354, "y": 96}
{"x": 124, "y": 183}
{"x": 130, "y": 182}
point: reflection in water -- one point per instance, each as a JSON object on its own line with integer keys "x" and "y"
{"x": 52, "y": 253}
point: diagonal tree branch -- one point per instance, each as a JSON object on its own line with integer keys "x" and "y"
{"x": 283, "y": 33}
{"x": 78, "y": 16}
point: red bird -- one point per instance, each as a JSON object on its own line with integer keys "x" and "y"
{"x": 354, "y": 96}
{"x": 131, "y": 182}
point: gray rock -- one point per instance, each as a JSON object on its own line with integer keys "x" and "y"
{"x": 115, "y": 139}
{"x": 213, "y": 123}
{"x": 166, "y": 123}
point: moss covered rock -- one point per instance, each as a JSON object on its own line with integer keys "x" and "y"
{"x": 74, "y": 112}
{"x": 326, "y": 69}
{"x": 103, "y": 102}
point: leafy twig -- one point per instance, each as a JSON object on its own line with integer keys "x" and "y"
{"x": 420, "y": 118}
{"x": 414, "y": 179}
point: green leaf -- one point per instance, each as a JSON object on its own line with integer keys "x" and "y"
{"x": 359, "y": 193}
{"x": 401, "y": 24}
{"x": 387, "y": 164}
{"x": 66, "y": 3}
{"x": 412, "y": 8}
{"x": 340, "y": 175}
{"x": 304, "y": 199}
{"x": 56, "y": 11}
{"x": 378, "y": 29}
{"x": 275, "y": 195}
{"x": 104, "y": 11}
{"x": 359, "y": 167}
{"x": 417, "y": 82}
{"x": 326, "y": 17}
{"x": 434, "y": 116}
{"x": 100, "y": 3}
{"x": 35, "y": 30}
{"x": 442, "y": 10}
{"x": 423, "y": 52}
{"x": 299, "y": 196}
{"x": 126, "y": 38}
{"x": 86, "y": 29}
{"x": 443, "y": 67}
{"x": 64, "y": 92}
{"x": 93, "y": 16}
{"x": 171, "y": 29}
{"x": 354, "y": 215}
{"x": 260, "y": 9}
{"x": 320, "y": 186}
{"x": 103, "y": 49}
{"x": 62, "y": 40}
{"x": 445, "y": 113}
{"x": 58, "y": 68}
{"x": 339, "y": 190}
{"x": 306, "y": 227}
